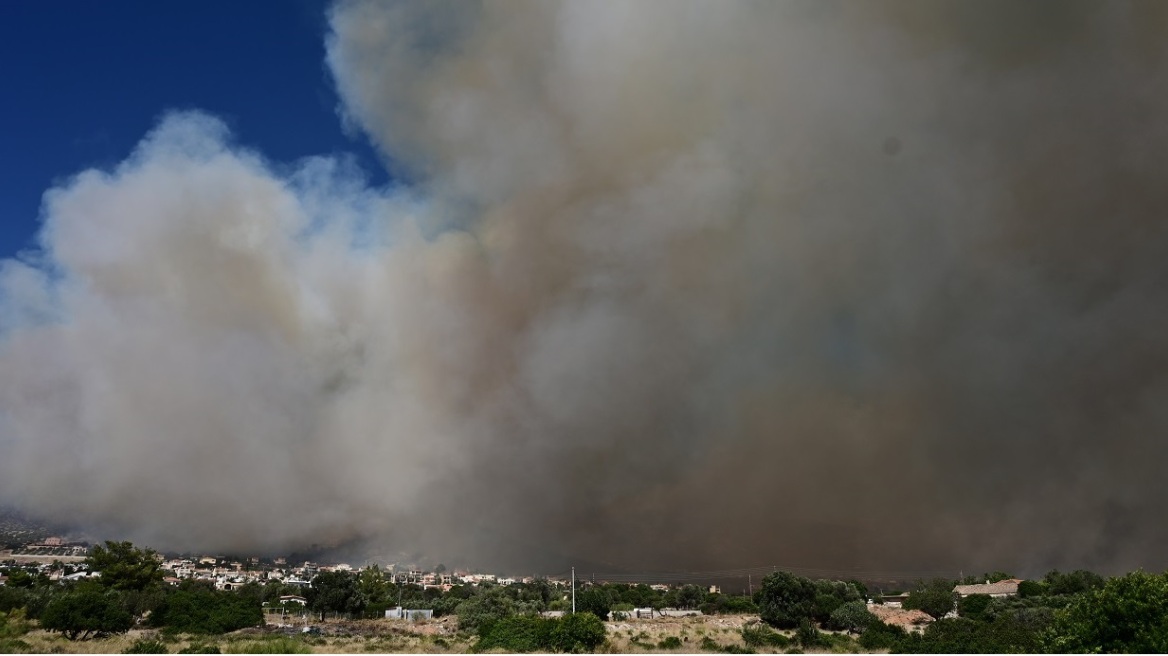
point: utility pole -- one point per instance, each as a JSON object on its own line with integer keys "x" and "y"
{"x": 573, "y": 590}
{"x": 750, "y": 582}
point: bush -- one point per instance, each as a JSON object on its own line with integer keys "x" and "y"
{"x": 197, "y": 648}
{"x": 936, "y": 598}
{"x": 672, "y": 642}
{"x": 786, "y": 599}
{"x": 974, "y": 606}
{"x": 516, "y": 634}
{"x": 853, "y": 617}
{"x": 85, "y": 614}
{"x": 146, "y": 647}
{"x": 808, "y": 636}
{"x": 13, "y": 625}
{"x": 881, "y": 636}
{"x": 490, "y": 605}
{"x": 199, "y": 609}
{"x": 761, "y": 635}
{"x": 578, "y": 632}
{"x": 528, "y": 633}
{"x": 278, "y": 646}
{"x": 1126, "y": 615}
{"x": 1031, "y": 589}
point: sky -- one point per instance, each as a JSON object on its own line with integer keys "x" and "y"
{"x": 865, "y": 286}
{"x": 85, "y": 80}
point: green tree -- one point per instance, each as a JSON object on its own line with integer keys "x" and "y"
{"x": 1075, "y": 582}
{"x": 1129, "y": 614}
{"x": 18, "y": 578}
{"x": 936, "y": 598}
{"x": 196, "y": 607}
{"x": 690, "y": 596}
{"x": 595, "y": 600}
{"x": 86, "y": 613}
{"x": 578, "y": 632}
{"x": 336, "y": 592}
{"x": 786, "y": 599}
{"x": 852, "y": 616}
{"x": 1028, "y": 589}
{"x": 125, "y": 567}
{"x": 490, "y": 605}
{"x": 974, "y": 606}
{"x": 830, "y": 595}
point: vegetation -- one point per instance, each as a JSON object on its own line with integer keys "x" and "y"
{"x": 786, "y": 600}
{"x": 124, "y": 566}
{"x": 86, "y": 613}
{"x": 936, "y": 598}
{"x": 580, "y": 632}
{"x": 147, "y": 647}
{"x": 196, "y": 607}
{"x": 1077, "y": 611}
{"x": 761, "y": 635}
{"x": 1127, "y": 614}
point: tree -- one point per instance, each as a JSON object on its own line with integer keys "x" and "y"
{"x": 1027, "y": 589}
{"x": 974, "y": 606}
{"x": 18, "y": 578}
{"x": 578, "y": 632}
{"x": 336, "y": 592}
{"x": 1129, "y": 614}
{"x": 830, "y": 595}
{"x": 786, "y": 599}
{"x": 689, "y": 596}
{"x": 490, "y": 605}
{"x": 196, "y": 607}
{"x": 86, "y": 613}
{"x": 595, "y": 600}
{"x": 125, "y": 567}
{"x": 1075, "y": 582}
{"x": 852, "y": 616}
{"x": 936, "y": 598}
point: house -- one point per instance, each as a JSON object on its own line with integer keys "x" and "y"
{"x": 1005, "y": 588}
{"x": 293, "y": 599}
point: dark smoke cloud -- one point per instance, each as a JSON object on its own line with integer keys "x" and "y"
{"x": 858, "y": 285}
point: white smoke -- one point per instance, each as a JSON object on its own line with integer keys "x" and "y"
{"x": 713, "y": 271}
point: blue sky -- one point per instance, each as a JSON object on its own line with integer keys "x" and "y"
{"x": 84, "y": 81}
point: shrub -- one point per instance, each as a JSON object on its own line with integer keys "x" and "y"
{"x": 146, "y": 647}
{"x": 761, "y": 635}
{"x": 198, "y": 648}
{"x": 578, "y": 632}
{"x": 881, "y": 636}
{"x": 278, "y": 646}
{"x": 490, "y": 605}
{"x": 974, "y": 606}
{"x": 808, "y": 636}
{"x": 709, "y": 645}
{"x": 1126, "y": 615}
{"x": 198, "y": 609}
{"x": 786, "y": 599}
{"x": 672, "y": 642}
{"x": 517, "y": 633}
{"x": 852, "y": 616}
{"x": 86, "y": 613}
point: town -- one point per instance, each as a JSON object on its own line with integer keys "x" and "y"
{"x": 124, "y": 598}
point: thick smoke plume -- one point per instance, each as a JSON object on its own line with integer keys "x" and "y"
{"x": 855, "y": 285}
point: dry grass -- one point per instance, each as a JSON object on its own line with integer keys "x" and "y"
{"x": 695, "y": 635}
